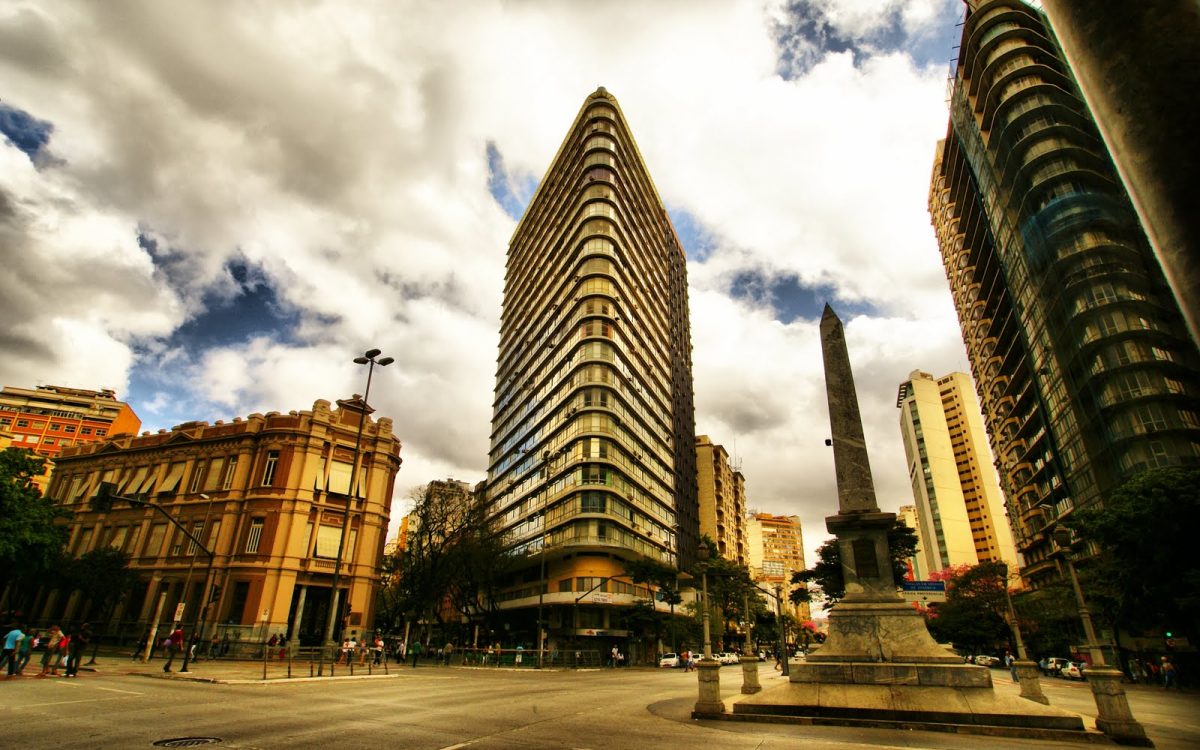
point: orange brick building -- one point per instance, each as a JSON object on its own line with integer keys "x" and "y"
{"x": 48, "y": 418}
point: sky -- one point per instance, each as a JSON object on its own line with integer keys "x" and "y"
{"x": 213, "y": 209}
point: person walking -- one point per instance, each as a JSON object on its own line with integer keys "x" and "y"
{"x": 79, "y": 644}
{"x": 28, "y": 643}
{"x": 414, "y": 650}
{"x": 12, "y": 640}
{"x": 174, "y": 644}
{"x": 1011, "y": 663}
{"x": 50, "y": 656}
{"x": 1170, "y": 675}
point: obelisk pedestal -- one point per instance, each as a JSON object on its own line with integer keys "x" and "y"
{"x": 879, "y": 663}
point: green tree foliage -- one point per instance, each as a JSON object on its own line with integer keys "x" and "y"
{"x": 450, "y": 557}
{"x": 826, "y": 573}
{"x": 32, "y": 531}
{"x": 973, "y": 617}
{"x": 730, "y": 590}
{"x": 103, "y": 577}
{"x": 1143, "y": 536}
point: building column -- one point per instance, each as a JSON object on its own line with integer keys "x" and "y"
{"x": 294, "y": 633}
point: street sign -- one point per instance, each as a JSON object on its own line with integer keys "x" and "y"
{"x": 179, "y": 611}
{"x": 923, "y": 586}
{"x": 923, "y": 592}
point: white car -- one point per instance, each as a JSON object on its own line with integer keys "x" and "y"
{"x": 1074, "y": 670}
{"x": 669, "y": 660}
{"x": 727, "y": 658}
{"x": 987, "y": 661}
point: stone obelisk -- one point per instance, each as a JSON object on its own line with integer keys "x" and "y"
{"x": 879, "y": 662}
{"x": 872, "y": 623}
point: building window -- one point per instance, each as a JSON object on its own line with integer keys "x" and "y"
{"x": 227, "y": 482}
{"x": 55, "y": 427}
{"x": 254, "y": 536}
{"x": 328, "y": 540}
{"x": 101, "y": 432}
{"x": 69, "y": 428}
{"x": 198, "y": 532}
{"x": 197, "y": 476}
{"x": 592, "y": 502}
{"x": 22, "y": 423}
{"x": 85, "y": 430}
{"x": 268, "y": 477}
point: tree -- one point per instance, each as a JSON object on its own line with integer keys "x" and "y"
{"x": 1143, "y": 535}
{"x": 730, "y": 588}
{"x": 973, "y": 617}
{"x": 451, "y": 556}
{"x": 31, "y": 528}
{"x": 642, "y": 616}
{"x": 827, "y": 572}
{"x": 104, "y": 578}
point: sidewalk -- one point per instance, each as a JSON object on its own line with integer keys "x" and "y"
{"x": 236, "y": 671}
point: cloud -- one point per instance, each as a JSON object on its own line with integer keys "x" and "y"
{"x": 361, "y": 168}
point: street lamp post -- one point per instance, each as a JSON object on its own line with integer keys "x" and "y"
{"x": 749, "y": 659}
{"x": 541, "y": 633}
{"x": 1025, "y": 668}
{"x": 369, "y": 360}
{"x": 708, "y": 669}
{"x": 783, "y": 654}
{"x": 1113, "y": 716}
{"x": 202, "y": 605}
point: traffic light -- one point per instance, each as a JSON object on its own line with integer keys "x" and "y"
{"x": 105, "y": 495}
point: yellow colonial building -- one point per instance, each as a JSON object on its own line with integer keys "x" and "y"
{"x": 267, "y": 495}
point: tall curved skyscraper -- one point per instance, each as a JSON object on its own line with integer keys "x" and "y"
{"x": 592, "y": 459}
{"x": 1085, "y": 369}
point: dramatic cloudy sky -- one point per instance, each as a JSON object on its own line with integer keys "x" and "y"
{"x": 214, "y": 207}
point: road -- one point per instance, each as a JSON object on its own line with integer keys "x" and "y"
{"x": 482, "y": 709}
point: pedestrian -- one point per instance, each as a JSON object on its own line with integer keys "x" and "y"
{"x": 79, "y": 644}
{"x": 612, "y": 657}
{"x": 415, "y": 651}
{"x": 12, "y": 640}
{"x": 173, "y": 643}
{"x": 685, "y": 659}
{"x": 282, "y": 645}
{"x": 140, "y": 648}
{"x": 50, "y": 655}
{"x": 1170, "y": 675}
{"x": 447, "y": 652}
{"x": 63, "y": 657}
{"x": 1011, "y": 663}
{"x": 28, "y": 643}
{"x": 214, "y": 646}
{"x": 377, "y": 648}
{"x": 520, "y": 653}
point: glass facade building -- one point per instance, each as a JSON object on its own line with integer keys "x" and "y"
{"x": 592, "y": 456}
{"x": 1085, "y": 371}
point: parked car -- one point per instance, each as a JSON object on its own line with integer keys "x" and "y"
{"x": 1074, "y": 670}
{"x": 727, "y": 658}
{"x": 1052, "y": 666}
{"x": 987, "y": 661}
{"x": 669, "y": 660}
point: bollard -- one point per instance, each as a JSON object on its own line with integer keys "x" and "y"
{"x": 289, "y": 658}
{"x": 310, "y": 665}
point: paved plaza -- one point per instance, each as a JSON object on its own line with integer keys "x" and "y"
{"x": 122, "y": 704}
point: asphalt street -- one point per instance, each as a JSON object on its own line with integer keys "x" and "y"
{"x": 121, "y": 705}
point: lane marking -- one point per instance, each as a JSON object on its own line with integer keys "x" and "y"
{"x": 114, "y": 690}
